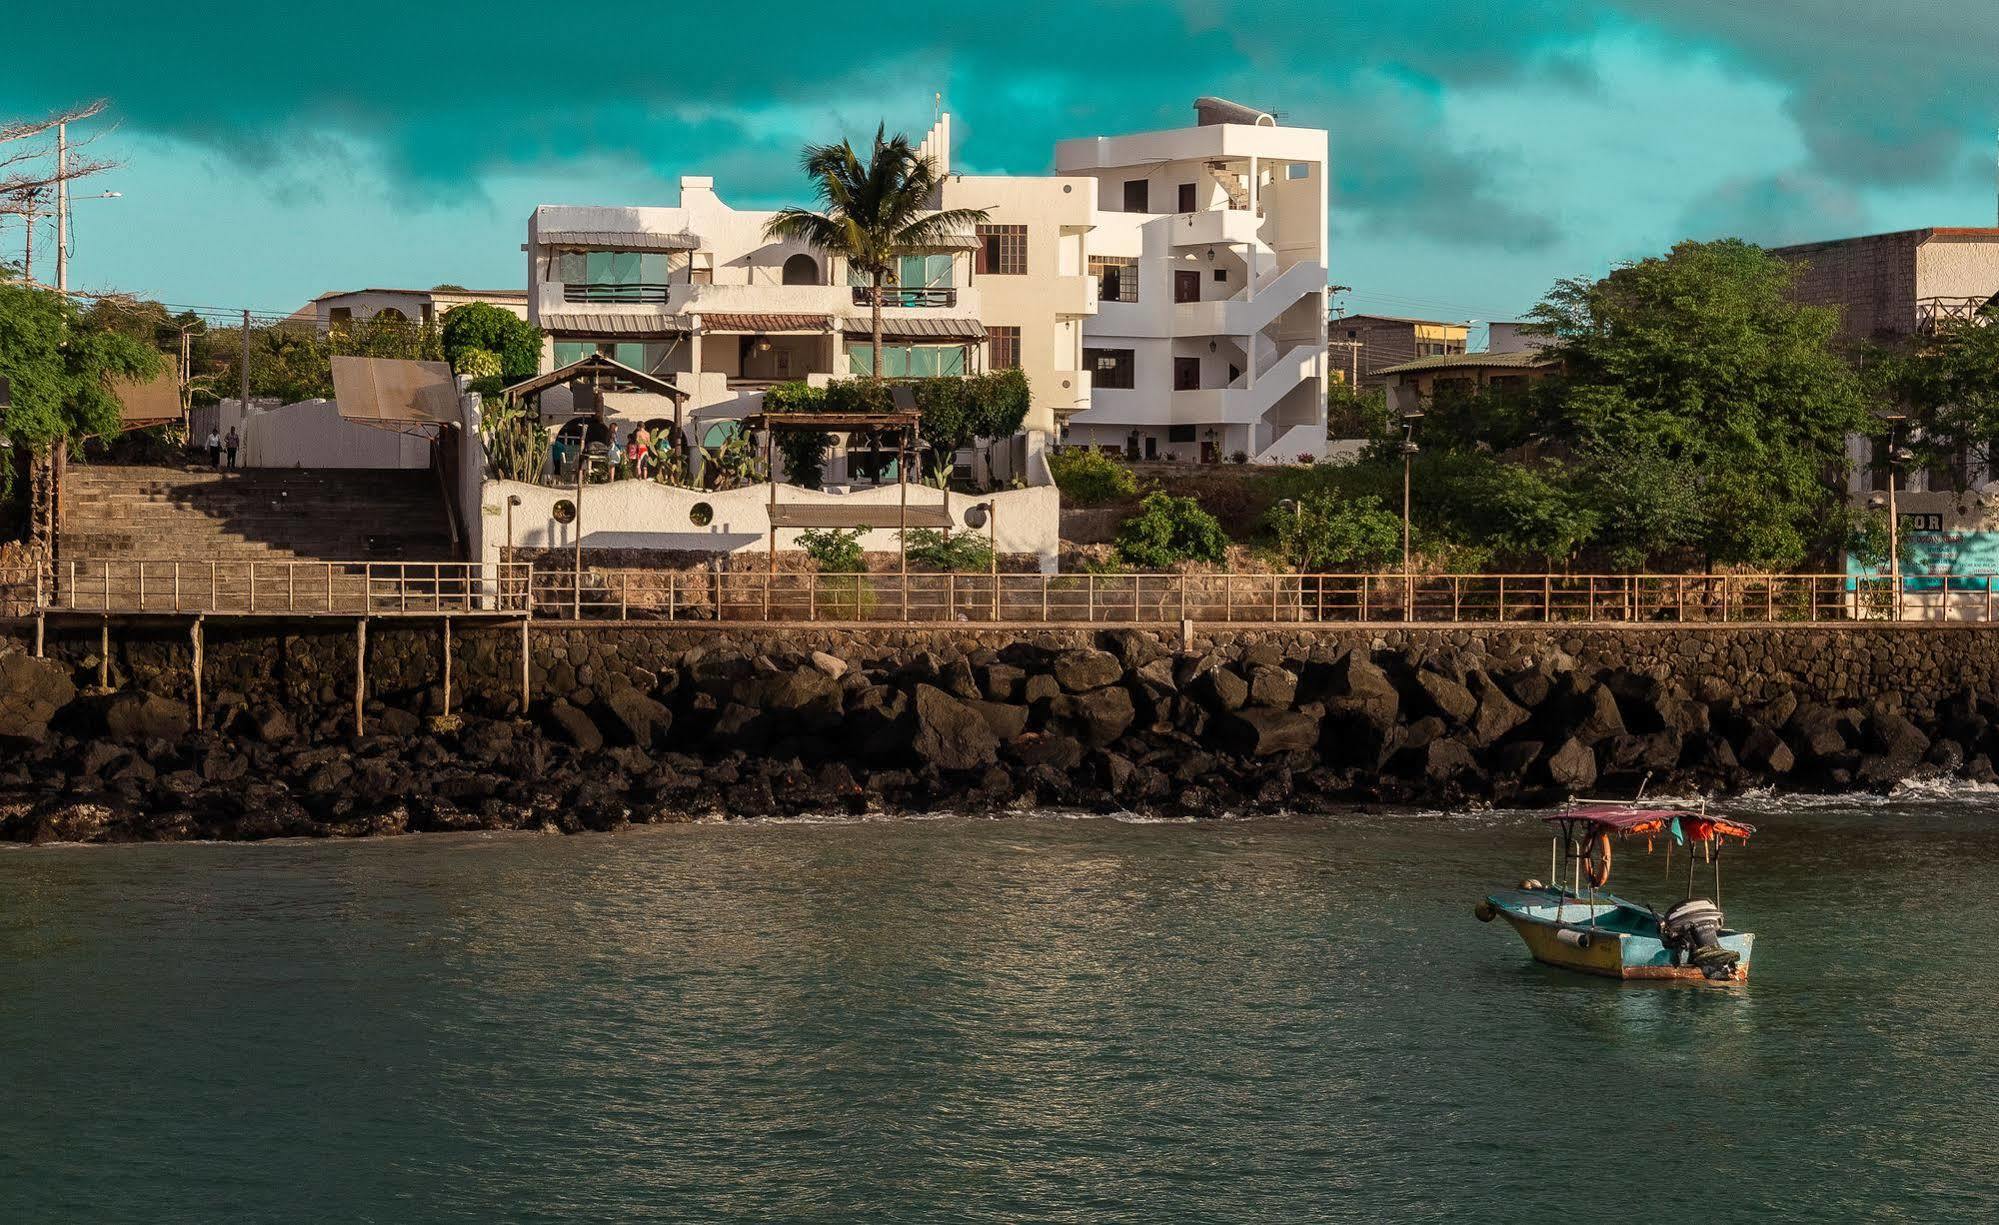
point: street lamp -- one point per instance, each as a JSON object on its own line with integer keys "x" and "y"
{"x": 66, "y": 238}
{"x": 1409, "y": 450}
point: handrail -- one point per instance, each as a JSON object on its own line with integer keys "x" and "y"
{"x": 374, "y": 588}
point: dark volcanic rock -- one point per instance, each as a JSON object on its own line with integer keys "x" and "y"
{"x": 1450, "y": 699}
{"x": 135, "y": 718}
{"x": 950, "y": 733}
{"x": 31, "y": 692}
{"x": 1220, "y": 689}
{"x": 1572, "y": 766}
{"x": 1262, "y": 732}
{"x": 1082, "y": 671}
{"x": 576, "y": 726}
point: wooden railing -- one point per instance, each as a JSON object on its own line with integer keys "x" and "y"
{"x": 286, "y": 588}
{"x": 752, "y": 595}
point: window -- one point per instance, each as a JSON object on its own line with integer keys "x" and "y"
{"x": 1186, "y": 374}
{"x": 648, "y": 357}
{"x": 1117, "y": 278}
{"x": 904, "y": 361}
{"x": 1002, "y": 348}
{"x": 1152, "y": 446}
{"x": 1187, "y": 204}
{"x": 1221, "y": 274}
{"x": 801, "y": 269}
{"x": 1002, "y": 250}
{"x": 1112, "y": 368}
{"x": 1187, "y": 285}
{"x": 912, "y": 272}
{"x": 1298, "y": 170}
{"x": 613, "y": 276}
{"x": 1137, "y": 196}
{"x": 1180, "y": 433}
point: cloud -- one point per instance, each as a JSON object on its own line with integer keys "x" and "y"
{"x": 1774, "y": 210}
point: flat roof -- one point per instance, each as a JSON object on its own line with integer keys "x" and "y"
{"x": 1517, "y": 359}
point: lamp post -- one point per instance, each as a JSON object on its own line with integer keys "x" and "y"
{"x": 1409, "y": 450}
{"x": 65, "y": 235}
{"x": 1897, "y": 456}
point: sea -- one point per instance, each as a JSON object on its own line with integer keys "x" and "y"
{"x": 1041, "y": 1018}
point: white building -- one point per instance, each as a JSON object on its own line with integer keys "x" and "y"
{"x": 1210, "y": 257}
{"x": 414, "y": 305}
{"x": 695, "y": 293}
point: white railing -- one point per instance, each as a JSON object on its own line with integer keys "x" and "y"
{"x": 275, "y": 588}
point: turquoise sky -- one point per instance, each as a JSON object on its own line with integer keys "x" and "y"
{"x": 1480, "y": 150}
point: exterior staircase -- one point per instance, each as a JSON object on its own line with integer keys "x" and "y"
{"x": 123, "y": 514}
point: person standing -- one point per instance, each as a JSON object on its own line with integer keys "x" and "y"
{"x": 230, "y": 444}
{"x": 641, "y": 452}
{"x": 214, "y": 449}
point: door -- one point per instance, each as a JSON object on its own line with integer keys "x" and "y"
{"x": 1187, "y": 285}
{"x": 1187, "y": 204}
{"x": 1186, "y": 374}
{"x": 1137, "y": 196}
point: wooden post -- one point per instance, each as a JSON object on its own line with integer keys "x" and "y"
{"x": 41, "y": 627}
{"x": 360, "y": 675}
{"x": 992, "y": 520}
{"x": 104, "y": 654}
{"x": 524, "y": 667}
{"x": 447, "y": 667}
{"x": 770, "y": 472}
{"x": 194, "y": 632}
{"x": 904, "y": 451}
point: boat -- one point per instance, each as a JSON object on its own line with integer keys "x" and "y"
{"x": 1582, "y": 926}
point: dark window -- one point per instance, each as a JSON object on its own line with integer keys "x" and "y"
{"x": 801, "y": 269}
{"x": 1877, "y": 465}
{"x": 1186, "y": 286}
{"x": 1002, "y": 250}
{"x": 1180, "y": 433}
{"x": 1235, "y": 372}
{"x": 1117, "y": 278}
{"x": 1002, "y": 348}
{"x": 1113, "y": 368}
{"x": 1187, "y": 204}
{"x": 1152, "y": 446}
{"x": 1186, "y": 374}
{"x": 1221, "y": 274}
{"x": 1137, "y": 196}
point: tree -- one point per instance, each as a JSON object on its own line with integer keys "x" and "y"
{"x": 1167, "y": 531}
{"x": 1947, "y": 383}
{"x": 872, "y": 214}
{"x": 481, "y": 325}
{"x": 58, "y": 361}
{"x": 1699, "y": 359}
{"x": 1353, "y": 412}
{"x": 29, "y": 175}
{"x": 1323, "y": 534}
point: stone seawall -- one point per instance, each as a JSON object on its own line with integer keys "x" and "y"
{"x": 635, "y": 723}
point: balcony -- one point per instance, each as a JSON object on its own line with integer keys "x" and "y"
{"x": 1216, "y": 227}
{"x": 637, "y": 294}
{"x": 921, "y": 299}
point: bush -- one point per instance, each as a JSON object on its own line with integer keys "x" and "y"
{"x": 1239, "y": 457}
{"x": 933, "y": 550}
{"x": 1090, "y": 478}
{"x": 477, "y": 364}
{"x": 1324, "y": 534}
{"x": 481, "y": 325}
{"x": 804, "y": 451}
{"x": 1167, "y": 531}
{"x": 834, "y": 551}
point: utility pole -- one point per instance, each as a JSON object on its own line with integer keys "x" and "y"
{"x": 62, "y": 208}
{"x": 28, "y": 247}
{"x": 243, "y": 405}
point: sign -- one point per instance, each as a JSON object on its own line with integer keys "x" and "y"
{"x": 1922, "y": 521}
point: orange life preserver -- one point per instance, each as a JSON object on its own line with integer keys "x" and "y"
{"x": 1599, "y": 874}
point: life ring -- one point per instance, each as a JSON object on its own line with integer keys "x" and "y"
{"x": 1484, "y": 912}
{"x": 1598, "y": 872}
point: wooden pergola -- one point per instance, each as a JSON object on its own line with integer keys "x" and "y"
{"x": 905, "y": 424}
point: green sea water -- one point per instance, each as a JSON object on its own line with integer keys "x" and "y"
{"x": 954, "y": 1020}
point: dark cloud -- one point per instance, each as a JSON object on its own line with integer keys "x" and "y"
{"x": 1776, "y": 210}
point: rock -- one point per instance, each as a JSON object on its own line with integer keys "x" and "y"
{"x": 1096, "y": 718}
{"x": 832, "y": 666}
{"x": 274, "y": 725}
{"x": 31, "y": 692}
{"x": 950, "y": 734}
{"x": 801, "y": 689}
{"x": 1764, "y": 750}
{"x": 1083, "y": 670}
{"x": 1134, "y": 648}
{"x": 1892, "y": 736}
{"x": 134, "y": 718}
{"x": 1273, "y": 687}
{"x": 1039, "y": 687}
{"x": 1157, "y": 676}
{"x": 1815, "y": 732}
{"x": 1516, "y": 759}
{"x": 1049, "y": 751}
{"x": 1355, "y": 685}
{"x": 1447, "y": 760}
{"x": 1002, "y": 682}
{"x": 1006, "y": 720}
{"x": 1220, "y": 689}
{"x": 1530, "y": 687}
{"x": 395, "y": 721}
{"x": 641, "y": 717}
{"x": 1266, "y": 732}
{"x": 1572, "y": 766}
{"x": 1450, "y": 699}
{"x": 1495, "y": 717}
{"x": 1597, "y": 717}
{"x": 575, "y": 726}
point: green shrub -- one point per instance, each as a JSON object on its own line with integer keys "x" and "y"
{"x": 933, "y": 550}
{"x": 834, "y": 551}
{"x": 1167, "y": 531}
{"x": 1324, "y": 534}
{"x": 1090, "y": 478}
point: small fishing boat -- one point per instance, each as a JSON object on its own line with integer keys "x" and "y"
{"x": 1584, "y": 927}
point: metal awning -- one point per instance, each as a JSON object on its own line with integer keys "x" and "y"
{"x": 413, "y": 397}
{"x": 592, "y": 324}
{"x": 764, "y": 323}
{"x": 618, "y": 240}
{"x": 597, "y": 371}
{"x": 825, "y": 515}
{"x": 916, "y": 327}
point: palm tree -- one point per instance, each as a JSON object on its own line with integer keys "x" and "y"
{"x": 873, "y": 213}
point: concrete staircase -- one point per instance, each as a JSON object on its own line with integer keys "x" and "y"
{"x": 122, "y": 514}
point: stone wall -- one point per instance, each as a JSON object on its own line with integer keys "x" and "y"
{"x": 648, "y": 722}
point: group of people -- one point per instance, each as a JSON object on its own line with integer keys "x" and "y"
{"x": 219, "y": 444}
{"x": 644, "y": 453}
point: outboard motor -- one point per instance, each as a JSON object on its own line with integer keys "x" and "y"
{"x": 1692, "y": 930}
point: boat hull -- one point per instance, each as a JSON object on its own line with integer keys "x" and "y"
{"x": 1606, "y": 937}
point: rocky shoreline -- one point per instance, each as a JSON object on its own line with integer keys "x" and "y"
{"x": 1121, "y": 720}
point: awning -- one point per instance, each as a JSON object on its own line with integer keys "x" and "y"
{"x": 617, "y": 240}
{"x": 153, "y": 402}
{"x": 592, "y": 324}
{"x": 395, "y": 394}
{"x": 764, "y": 324}
{"x": 916, "y": 327}
{"x": 599, "y": 371}
{"x": 877, "y": 515}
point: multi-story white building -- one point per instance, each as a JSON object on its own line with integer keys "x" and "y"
{"x": 415, "y": 305}
{"x": 698, "y": 295}
{"x": 1210, "y": 257}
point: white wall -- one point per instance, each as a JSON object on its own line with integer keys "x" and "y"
{"x": 648, "y": 515}
{"x": 313, "y": 434}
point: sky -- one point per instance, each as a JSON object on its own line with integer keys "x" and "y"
{"x": 1480, "y": 151}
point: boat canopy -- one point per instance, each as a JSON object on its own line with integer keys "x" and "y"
{"x": 1623, "y": 819}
